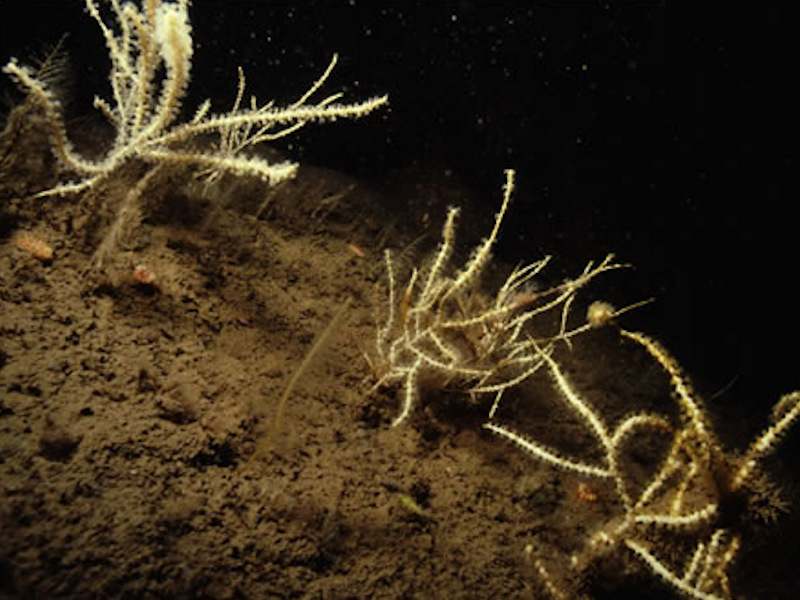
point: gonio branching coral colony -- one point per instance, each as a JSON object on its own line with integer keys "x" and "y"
{"x": 697, "y": 503}
{"x": 151, "y": 50}
{"x": 440, "y": 329}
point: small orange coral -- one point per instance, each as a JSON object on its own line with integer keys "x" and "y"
{"x": 587, "y": 494}
{"x": 40, "y": 249}
{"x": 143, "y": 275}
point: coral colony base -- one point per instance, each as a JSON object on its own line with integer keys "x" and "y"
{"x": 684, "y": 522}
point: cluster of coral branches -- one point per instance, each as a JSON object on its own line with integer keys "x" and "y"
{"x": 442, "y": 330}
{"x": 151, "y": 50}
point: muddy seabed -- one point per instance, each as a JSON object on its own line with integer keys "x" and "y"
{"x": 130, "y": 413}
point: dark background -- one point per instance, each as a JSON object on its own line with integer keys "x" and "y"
{"x": 664, "y": 132}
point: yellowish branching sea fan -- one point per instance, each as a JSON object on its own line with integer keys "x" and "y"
{"x": 145, "y": 105}
{"x": 150, "y": 47}
{"x": 440, "y": 328}
{"x": 696, "y": 503}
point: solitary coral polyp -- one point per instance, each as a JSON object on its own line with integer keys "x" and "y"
{"x": 36, "y": 247}
{"x": 173, "y": 33}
